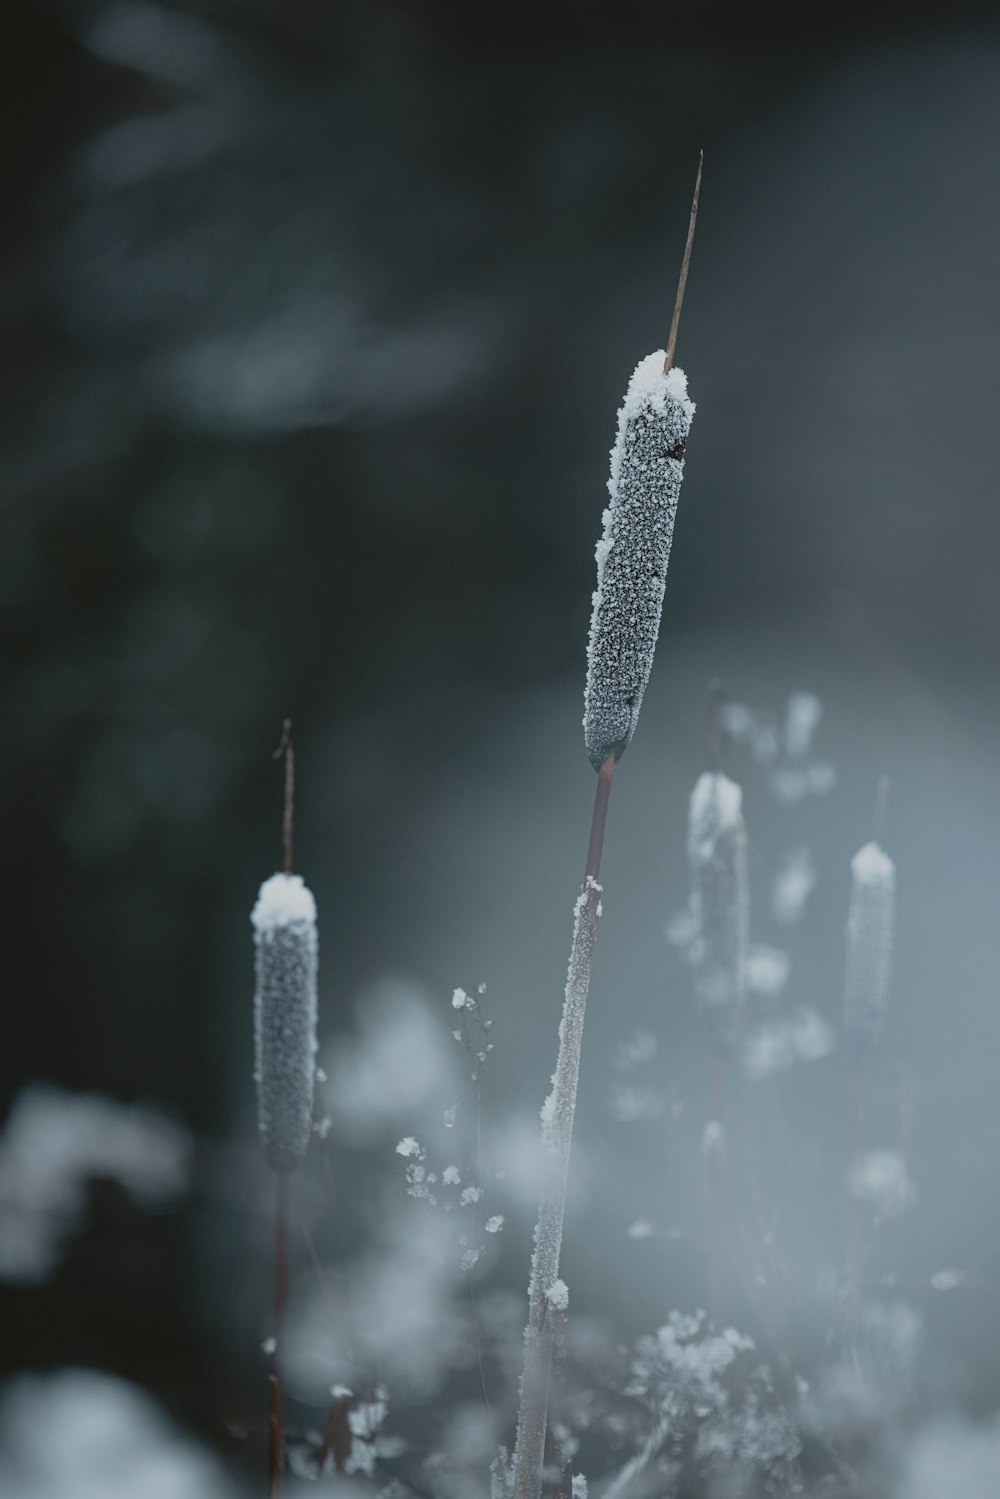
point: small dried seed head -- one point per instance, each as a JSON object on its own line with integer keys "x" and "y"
{"x": 286, "y": 945}
{"x": 647, "y": 463}
{"x": 717, "y": 863}
{"x": 870, "y": 927}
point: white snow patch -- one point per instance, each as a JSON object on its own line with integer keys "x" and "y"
{"x": 281, "y": 901}
{"x": 557, "y": 1296}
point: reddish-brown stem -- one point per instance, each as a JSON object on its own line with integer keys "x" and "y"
{"x": 287, "y": 748}
{"x": 682, "y": 279}
{"x": 599, "y": 818}
{"x": 276, "y": 1422}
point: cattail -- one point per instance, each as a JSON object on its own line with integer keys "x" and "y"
{"x": 646, "y": 467}
{"x": 647, "y": 464}
{"x": 284, "y": 1009}
{"x": 870, "y": 924}
{"x": 284, "y": 929}
{"x": 717, "y": 861}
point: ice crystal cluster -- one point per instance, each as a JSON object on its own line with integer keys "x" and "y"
{"x": 287, "y": 948}
{"x": 647, "y": 464}
{"x": 697, "y": 1422}
{"x": 717, "y": 861}
{"x": 870, "y": 923}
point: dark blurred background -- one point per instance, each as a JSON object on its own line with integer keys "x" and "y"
{"x": 315, "y": 319}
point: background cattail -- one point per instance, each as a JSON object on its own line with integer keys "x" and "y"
{"x": 647, "y": 464}
{"x": 285, "y": 939}
{"x": 720, "y": 906}
{"x": 870, "y": 923}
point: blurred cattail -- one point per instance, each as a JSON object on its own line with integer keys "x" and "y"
{"x": 717, "y": 863}
{"x": 284, "y": 1008}
{"x": 870, "y": 924}
{"x": 647, "y": 464}
{"x": 285, "y": 939}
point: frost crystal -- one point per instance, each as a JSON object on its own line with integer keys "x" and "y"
{"x": 870, "y": 924}
{"x": 717, "y": 860}
{"x": 557, "y": 1296}
{"x": 287, "y": 950}
{"x": 647, "y": 464}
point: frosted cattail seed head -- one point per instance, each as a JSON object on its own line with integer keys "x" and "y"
{"x": 720, "y": 905}
{"x": 647, "y": 463}
{"x": 870, "y": 927}
{"x": 287, "y": 950}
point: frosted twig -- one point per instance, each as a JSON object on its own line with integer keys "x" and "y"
{"x": 870, "y": 931}
{"x": 557, "y": 1138}
{"x": 276, "y": 1419}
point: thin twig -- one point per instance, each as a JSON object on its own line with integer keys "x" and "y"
{"x": 713, "y": 725}
{"x": 682, "y": 280}
{"x": 855, "y": 1243}
{"x": 881, "y": 808}
{"x": 287, "y": 748}
{"x": 276, "y": 1422}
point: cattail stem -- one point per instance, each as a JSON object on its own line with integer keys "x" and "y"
{"x": 855, "y": 1240}
{"x": 287, "y": 748}
{"x": 715, "y": 1193}
{"x": 557, "y": 1138}
{"x": 276, "y": 1422}
{"x": 668, "y": 358}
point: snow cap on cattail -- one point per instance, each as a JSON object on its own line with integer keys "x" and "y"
{"x": 870, "y": 925}
{"x": 717, "y": 863}
{"x": 647, "y": 464}
{"x": 286, "y": 944}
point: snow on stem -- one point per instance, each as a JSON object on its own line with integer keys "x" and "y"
{"x": 557, "y": 1138}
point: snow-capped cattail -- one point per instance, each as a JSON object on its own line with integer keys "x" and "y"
{"x": 284, "y": 1007}
{"x": 717, "y": 863}
{"x": 647, "y": 464}
{"x": 646, "y": 467}
{"x": 870, "y": 924}
{"x": 284, "y": 930}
